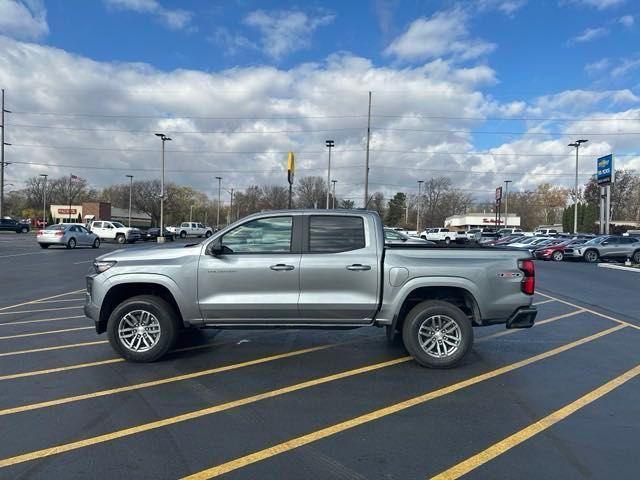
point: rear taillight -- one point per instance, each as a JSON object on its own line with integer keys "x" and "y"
{"x": 59, "y": 233}
{"x": 528, "y": 284}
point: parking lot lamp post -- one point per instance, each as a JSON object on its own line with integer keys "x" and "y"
{"x": 130, "y": 177}
{"x": 506, "y": 202}
{"x": 44, "y": 199}
{"x": 330, "y": 144}
{"x": 420, "y": 182}
{"x": 218, "y": 212}
{"x": 576, "y": 144}
{"x": 164, "y": 139}
{"x": 191, "y": 213}
{"x": 333, "y": 182}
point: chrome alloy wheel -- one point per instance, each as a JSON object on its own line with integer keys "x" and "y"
{"x": 439, "y": 336}
{"x": 139, "y": 331}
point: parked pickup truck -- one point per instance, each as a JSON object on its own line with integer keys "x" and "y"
{"x": 114, "y": 231}
{"x": 191, "y": 229}
{"x": 442, "y": 235}
{"x": 313, "y": 268}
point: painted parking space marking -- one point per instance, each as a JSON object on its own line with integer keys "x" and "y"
{"x": 273, "y": 393}
{"x": 75, "y": 307}
{"x": 383, "y": 412}
{"x": 41, "y": 320}
{"x": 40, "y": 299}
{"x": 537, "y": 324}
{"x": 541, "y": 425}
{"x": 56, "y": 347}
{"x": 61, "y": 300}
{"x": 49, "y": 332}
{"x": 542, "y": 302}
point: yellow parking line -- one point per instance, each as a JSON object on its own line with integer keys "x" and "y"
{"x": 48, "y": 349}
{"x": 621, "y": 322}
{"x": 541, "y": 425}
{"x": 541, "y": 322}
{"x": 162, "y": 381}
{"x": 281, "y": 391}
{"x": 40, "y": 300}
{"x": 42, "y": 310}
{"x": 383, "y": 412}
{"x": 35, "y": 334}
{"x": 61, "y": 300}
{"x": 22, "y": 322}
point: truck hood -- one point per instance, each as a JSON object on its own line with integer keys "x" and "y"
{"x": 143, "y": 254}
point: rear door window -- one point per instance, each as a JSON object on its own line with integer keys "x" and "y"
{"x": 333, "y": 234}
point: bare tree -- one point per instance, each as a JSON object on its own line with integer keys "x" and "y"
{"x": 274, "y": 197}
{"x": 311, "y": 192}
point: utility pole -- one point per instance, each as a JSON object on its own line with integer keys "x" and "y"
{"x": 576, "y": 144}
{"x": 366, "y": 163}
{"x": 218, "y": 213}
{"x": 506, "y": 202}
{"x": 44, "y": 200}
{"x": 334, "y": 193}
{"x": 130, "y": 177}
{"x": 164, "y": 139}
{"x": 191, "y": 213}
{"x": 330, "y": 144}
{"x": 230, "y": 214}
{"x": 420, "y": 182}
{"x": 2, "y": 162}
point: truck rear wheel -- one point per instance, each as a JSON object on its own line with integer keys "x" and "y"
{"x": 437, "y": 334}
{"x": 142, "y": 328}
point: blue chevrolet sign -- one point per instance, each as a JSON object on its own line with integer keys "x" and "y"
{"x": 604, "y": 169}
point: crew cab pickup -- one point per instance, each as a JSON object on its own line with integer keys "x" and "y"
{"x": 114, "y": 231}
{"x": 439, "y": 235}
{"x": 191, "y": 229}
{"x": 309, "y": 268}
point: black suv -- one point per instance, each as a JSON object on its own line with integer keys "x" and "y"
{"x": 10, "y": 225}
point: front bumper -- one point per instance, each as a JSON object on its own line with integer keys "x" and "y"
{"x": 524, "y": 317}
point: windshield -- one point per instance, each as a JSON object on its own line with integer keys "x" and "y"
{"x": 57, "y": 227}
{"x": 596, "y": 241}
{"x": 118, "y": 225}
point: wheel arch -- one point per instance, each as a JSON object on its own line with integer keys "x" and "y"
{"x": 455, "y": 294}
{"x": 124, "y": 290}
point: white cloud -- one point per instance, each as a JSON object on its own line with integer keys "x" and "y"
{"x": 26, "y": 20}
{"x": 589, "y": 34}
{"x": 508, "y": 7}
{"x": 626, "y": 20}
{"x": 597, "y": 67}
{"x": 422, "y": 123}
{"x": 598, "y": 4}
{"x": 285, "y": 31}
{"x": 177, "y": 19}
{"x": 626, "y": 65}
{"x": 444, "y": 34}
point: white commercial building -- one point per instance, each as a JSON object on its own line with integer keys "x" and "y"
{"x": 480, "y": 220}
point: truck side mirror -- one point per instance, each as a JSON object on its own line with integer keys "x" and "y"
{"x": 216, "y": 247}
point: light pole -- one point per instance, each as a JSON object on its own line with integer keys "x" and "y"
{"x": 164, "y": 139}
{"x": 218, "y": 214}
{"x": 330, "y": 144}
{"x": 576, "y": 144}
{"x": 333, "y": 182}
{"x": 191, "y": 213}
{"x": 2, "y": 145}
{"x": 44, "y": 200}
{"x": 130, "y": 177}
{"x": 420, "y": 182}
{"x": 506, "y": 202}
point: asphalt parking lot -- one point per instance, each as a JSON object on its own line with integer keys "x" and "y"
{"x": 560, "y": 400}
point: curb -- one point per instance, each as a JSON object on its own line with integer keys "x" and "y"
{"x": 619, "y": 267}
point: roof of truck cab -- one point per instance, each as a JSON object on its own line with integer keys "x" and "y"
{"x": 313, "y": 211}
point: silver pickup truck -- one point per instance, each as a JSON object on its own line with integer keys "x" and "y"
{"x": 309, "y": 268}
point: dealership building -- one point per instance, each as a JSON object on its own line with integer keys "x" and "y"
{"x": 480, "y": 220}
{"x": 90, "y": 211}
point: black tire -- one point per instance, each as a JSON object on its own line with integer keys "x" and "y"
{"x": 447, "y": 241}
{"x": 71, "y": 243}
{"x": 591, "y": 256}
{"x": 635, "y": 258}
{"x": 121, "y": 239}
{"x": 183, "y": 234}
{"x": 163, "y": 312}
{"x": 426, "y": 311}
{"x": 44, "y": 245}
{"x": 208, "y": 234}
{"x": 557, "y": 256}
{"x": 24, "y": 230}
{"x": 96, "y": 243}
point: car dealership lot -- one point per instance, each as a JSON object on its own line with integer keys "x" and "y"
{"x": 316, "y": 404}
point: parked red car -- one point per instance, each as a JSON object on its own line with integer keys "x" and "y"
{"x": 555, "y": 252}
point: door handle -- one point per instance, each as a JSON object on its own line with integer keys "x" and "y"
{"x": 358, "y": 266}
{"x": 280, "y": 267}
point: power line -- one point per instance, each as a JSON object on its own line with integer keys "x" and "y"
{"x": 188, "y": 117}
{"x": 486, "y": 132}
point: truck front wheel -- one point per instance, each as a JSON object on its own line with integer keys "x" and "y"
{"x": 142, "y": 328}
{"x": 121, "y": 239}
{"x": 437, "y": 334}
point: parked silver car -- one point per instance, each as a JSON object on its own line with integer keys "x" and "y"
{"x": 395, "y": 237}
{"x": 610, "y": 247}
{"x": 69, "y": 235}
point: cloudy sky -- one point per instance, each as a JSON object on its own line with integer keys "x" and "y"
{"x": 481, "y": 91}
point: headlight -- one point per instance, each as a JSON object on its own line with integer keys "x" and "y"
{"x": 103, "y": 266}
